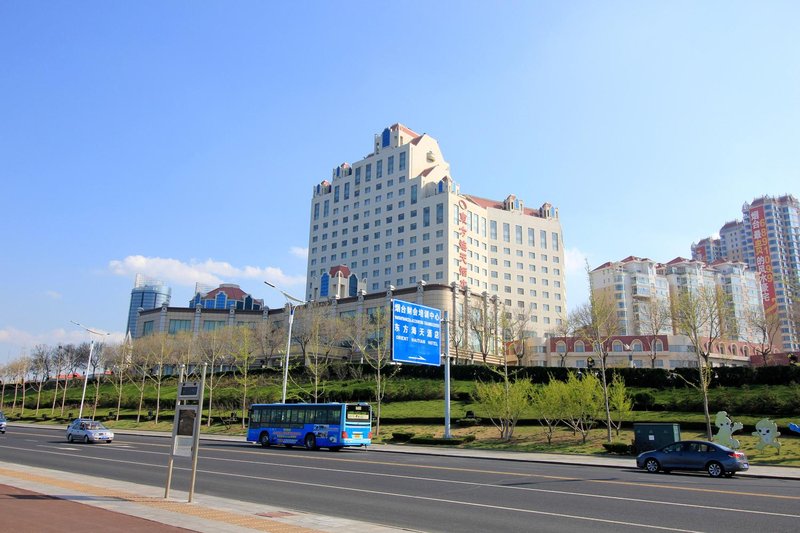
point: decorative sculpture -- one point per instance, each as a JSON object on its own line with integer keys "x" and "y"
{"x": 767, "y": 431}
{"x": 726, "y": 428}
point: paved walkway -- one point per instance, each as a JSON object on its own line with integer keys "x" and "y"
{"x": 35, "y": 499}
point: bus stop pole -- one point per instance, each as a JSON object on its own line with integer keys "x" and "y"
{"x": 446, "y": 377}
{"x": 171, "y": 458}
{"x": 196, "y": 444}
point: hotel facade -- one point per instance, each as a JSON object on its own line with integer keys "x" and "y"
{"x": 397, "y": 218}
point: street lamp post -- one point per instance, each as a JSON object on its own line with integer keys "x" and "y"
{"x": 293, "y": 303}
{"x": 88, "y": 363}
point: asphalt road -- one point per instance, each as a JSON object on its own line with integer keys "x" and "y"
{"x": 432, "y": 493}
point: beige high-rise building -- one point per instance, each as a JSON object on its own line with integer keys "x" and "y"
{"x": 397, "y": 217}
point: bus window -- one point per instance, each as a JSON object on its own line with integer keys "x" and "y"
{"x": 358, "y": 413}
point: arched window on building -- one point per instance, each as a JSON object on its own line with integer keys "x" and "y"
{"x": 617, "y": 346}
{"x": 636, "y": 345}
{"x": 659, "y": 345}
{"x": 561, "y": 347}
{"x": 580, "y": 347}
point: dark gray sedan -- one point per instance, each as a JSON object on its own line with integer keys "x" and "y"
{"x": 711, "y": 457}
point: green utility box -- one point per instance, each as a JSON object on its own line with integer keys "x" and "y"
{"x": 654, "y": 436}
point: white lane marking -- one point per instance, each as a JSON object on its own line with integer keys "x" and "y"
{"x": 530, "y": 489}
{"x": 454, "y": 502}
{"x": 468, "y": 483}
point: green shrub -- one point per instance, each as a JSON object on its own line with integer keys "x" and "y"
{"x": 402, "y": 436}
{"x": 619, "y": 448}
{"x": 468, "y": 438}
{"x": 467, "y": 422}
{"x": 436, "y": 441}
{"x": 643, "y": 401}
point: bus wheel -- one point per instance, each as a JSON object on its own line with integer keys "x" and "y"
{"x": 311, "y": 442}
{"x": 264, "y": 439}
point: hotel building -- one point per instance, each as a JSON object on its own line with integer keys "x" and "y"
{"x": 397, "y": 218}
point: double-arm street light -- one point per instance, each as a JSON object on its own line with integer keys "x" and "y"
{"x": 88, "y": 362}
{"x": 293, "y": 303}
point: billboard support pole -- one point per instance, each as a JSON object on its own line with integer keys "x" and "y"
{"x": 446, "y": 328}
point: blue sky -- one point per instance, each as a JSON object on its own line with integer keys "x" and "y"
{"x": 182, "y": 139}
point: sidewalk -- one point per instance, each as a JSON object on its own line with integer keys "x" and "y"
{"x": 51, "y": 502}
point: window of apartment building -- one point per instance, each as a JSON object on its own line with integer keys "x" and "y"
{"x": 440, "y": 247}
{"x": 426, "y": 263}
{"x": 413, "y": 194}
{"x": 518, "y": 234}
{"x": 402, "y": 162}
{"x": 326, "y": 208}
{"x": 506, "y": 232}
{"x": 554, "y": 241}
{"x": 521, "y": 279}
{"x": 390, "y": 165}
{"x": 368, "y": 172}
{"x": 426, "y": 236}
{"x": 493, "y": 229}
{"x": 440, "y": 260}
{"x": 507, "y": 276}
{"x": 413, "y": 238}
{"x": 346, "y": 193}
{"x": 378, "y": 169}
{"x": 507, "y": 251}
{"x": 543, "y": 239}
{"x": 412, "y": 266}
{"x": 439, "y": 213}
{"x": 316, "y": 211}
{"x": 506, "y": 263}
{"x": 520, "y": 266}
{"x": 336, "y": 194}
{"x": 358, "y": 176}
{"x": 426, "y": 217}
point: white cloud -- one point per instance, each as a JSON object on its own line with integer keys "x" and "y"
{"x": 208, "y": 272}
{"x": 575, "y": 261}
{"x": 299, "y": 251}
{"x": 575, "y": 276}
{"x": 53, "y": 295}
{"x": 16, "y": 342}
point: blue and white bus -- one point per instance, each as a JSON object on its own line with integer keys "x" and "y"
{"x": 313, "y": 425}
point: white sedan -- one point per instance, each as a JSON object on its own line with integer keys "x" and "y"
{"x": 87, "y": 430}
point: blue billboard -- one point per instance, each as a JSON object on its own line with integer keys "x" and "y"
{"x": 416, "y": 334}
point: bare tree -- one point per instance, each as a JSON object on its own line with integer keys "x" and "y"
{"x": 160, "y": 348}
{"x": 19, "y": 372}
{"x": 213, "y": 347}
{"x": 138, "y": 369}
{"x": 97, "y": 362}
{"x": 40, "y": 370}
{"x": 702, "y": 315}
{"x": 597, "y": 321}
{"x": 118, "y": 358}
{"x": 483, "y": 325}
{"x": 369, "y": 337}
{"x": 243, "y": 350}
{"x": 320, "y": 334}
{"x": 765, "y": 329}
{"x": 564, "y": 330}
{"x": 270, "y": 337}
{"x": 654, "y": 318}
{"x": 58, "y": 363}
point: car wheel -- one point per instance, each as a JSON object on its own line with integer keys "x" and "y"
{"x": 652, "y": 466}
{"x": 715, "y": 469}
{"x": 86, "y": 439}
{"x": 263, "y": 439}
{"x": 108, "y": 441}
{"x": 311, "y": 442}
{"x": 69, "y": 437}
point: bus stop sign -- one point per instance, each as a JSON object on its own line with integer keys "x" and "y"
{"x": 416, "y": 334}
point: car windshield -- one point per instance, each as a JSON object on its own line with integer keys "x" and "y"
{"x": 2, "y": 417}
{"x": 95, "y": 425}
